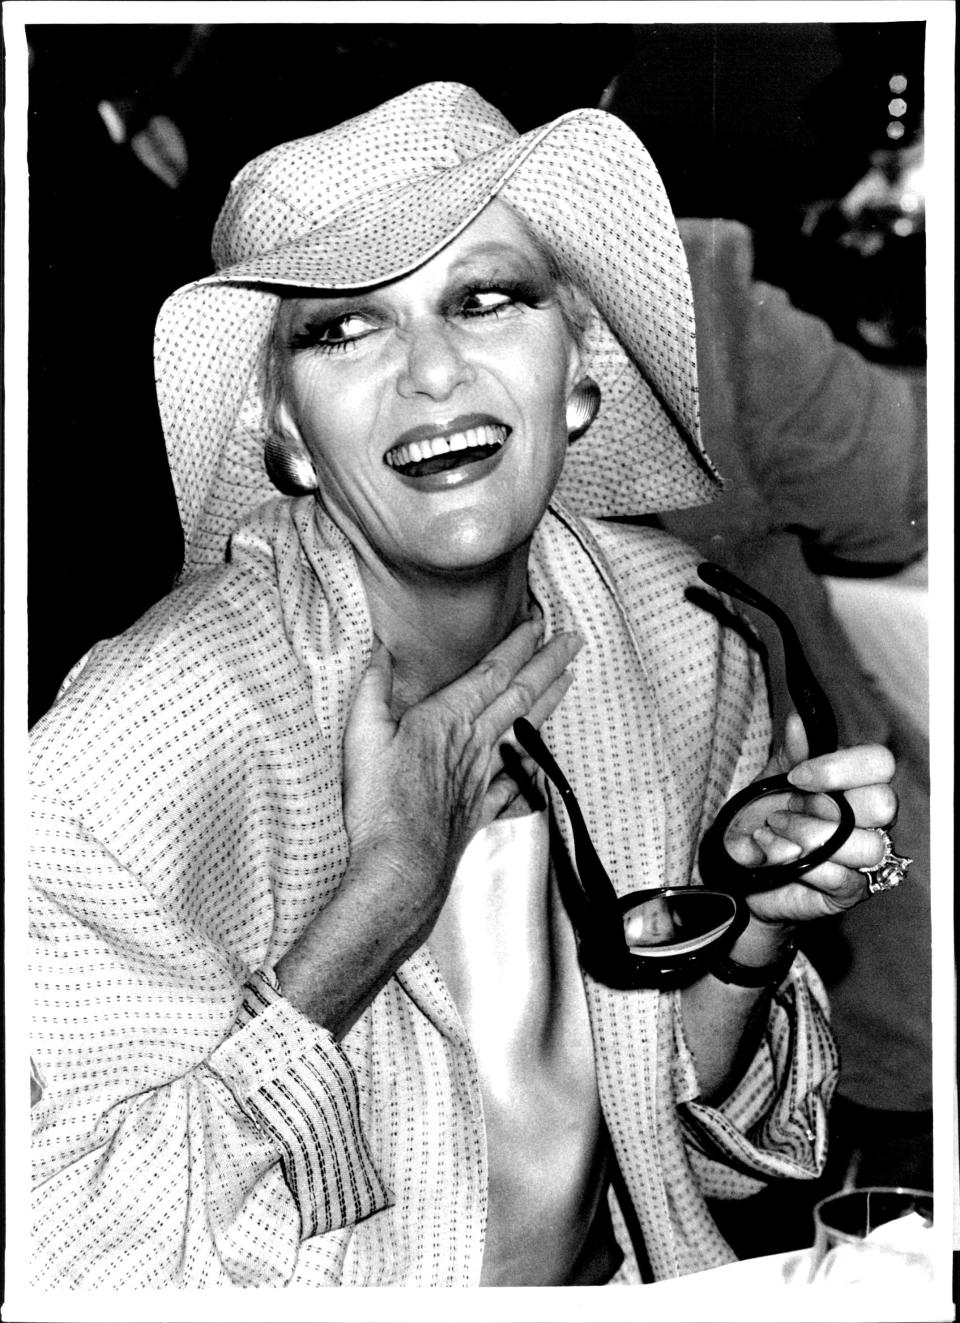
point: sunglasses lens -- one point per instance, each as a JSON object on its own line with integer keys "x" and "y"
{"x": 668, "y": 923}
{"x": 751, "y": 837}
{"x": 747, "y": 848}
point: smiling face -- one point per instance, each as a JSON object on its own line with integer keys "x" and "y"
{"x": 433, "y": 407}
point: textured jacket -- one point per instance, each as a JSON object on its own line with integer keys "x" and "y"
{"x": 194, "y": 1128}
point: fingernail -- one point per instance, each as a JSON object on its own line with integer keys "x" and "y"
{"x": 778, "y": 821}
{"x": 762, "y": 835}
{"x": 801, "y": 775}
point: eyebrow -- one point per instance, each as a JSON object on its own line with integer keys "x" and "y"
{"x": 364, "y": 300}
{"x": 500, "y": 252}
{"x": 328, "y": 306}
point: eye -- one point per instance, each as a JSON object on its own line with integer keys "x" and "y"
{"x": 487, "y": 302}
{"x": 332, "y": 333}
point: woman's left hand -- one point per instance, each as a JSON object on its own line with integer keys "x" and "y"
{"x": 805, "y": 819}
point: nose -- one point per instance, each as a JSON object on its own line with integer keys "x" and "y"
{"x": 434, "y": 363}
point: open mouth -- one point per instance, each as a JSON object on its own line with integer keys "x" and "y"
{"x": 438, "y": 454}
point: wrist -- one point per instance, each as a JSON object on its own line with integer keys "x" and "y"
{"x": 374, "y": 921}
{"x": 758, "y": 959}
{"x": 763, "y": 942}
{"x": 395, "y": 854}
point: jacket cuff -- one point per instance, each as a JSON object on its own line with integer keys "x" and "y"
{"x": 773, "y": 1124}
{"x": 294, "y": 1080}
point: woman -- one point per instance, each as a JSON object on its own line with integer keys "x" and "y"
{"x": 310, "y": 1010}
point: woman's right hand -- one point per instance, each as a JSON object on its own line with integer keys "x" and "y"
{"x": 416, "y": 789}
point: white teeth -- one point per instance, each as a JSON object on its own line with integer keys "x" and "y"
{"x": 415, "y": 451}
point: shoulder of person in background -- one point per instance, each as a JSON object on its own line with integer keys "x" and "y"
{"x": 833, "y": 445}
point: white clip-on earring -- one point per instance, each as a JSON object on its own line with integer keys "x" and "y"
{"x": 582, "y": 407}
{"x": 286, "y": 459}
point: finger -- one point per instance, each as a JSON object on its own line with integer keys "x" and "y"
{"x": 549, "y": 700}
{"x": 499, "y": 795}
{"x": 861, "y": 765}
{"x": 776, "y": 849}
{"x": 824, "y": 891}
{"x": 755, "y": 813}
{"x": 744, "y": 850}
{"x": 873, "y": 806}
{"x": 538, "y": 684}
{"x": 863, "y": 848}
{"x": 521, "y": 768}
{"x": 482, "y": 684}
{"x": 517, "y": 763}
{"x": 542, "y": 708}
{"x": 795, "y": 747}
{"x": 371, "y": 705}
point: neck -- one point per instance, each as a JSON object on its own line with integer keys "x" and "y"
{"x": 436, "y": 627}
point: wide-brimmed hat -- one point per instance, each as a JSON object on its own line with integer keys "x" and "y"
{"x": 374, "y": 198}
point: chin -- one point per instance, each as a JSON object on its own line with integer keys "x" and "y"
{"x": 470, "y": 544}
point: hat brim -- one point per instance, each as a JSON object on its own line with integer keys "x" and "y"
{"x": 641, "y": 454}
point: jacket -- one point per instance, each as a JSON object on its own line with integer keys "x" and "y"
{"x": 194, "y": 1128}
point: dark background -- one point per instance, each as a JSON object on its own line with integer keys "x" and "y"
{"x": 760, "y": 122}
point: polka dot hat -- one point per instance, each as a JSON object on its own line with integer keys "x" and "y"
{"x": 372, "y": 199}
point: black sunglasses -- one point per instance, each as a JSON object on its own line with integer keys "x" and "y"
{"x": 672, "y": 930}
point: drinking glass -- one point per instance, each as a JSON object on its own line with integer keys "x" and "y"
{"x": 877, "y": 1236}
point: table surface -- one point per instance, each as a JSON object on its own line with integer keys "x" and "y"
{"x": 777, "y": 1287}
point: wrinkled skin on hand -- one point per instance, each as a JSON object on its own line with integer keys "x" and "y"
{"x": 777, "y": 829}
{"x": 418, "y": 787}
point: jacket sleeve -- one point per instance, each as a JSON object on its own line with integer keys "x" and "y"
{"x": 774, "y": 1122}
{"x": 835, "y": 444}
{"x": 773, "y": 1125}
{"x": 193, "y": 1128}
{"x": 839, "y": 442}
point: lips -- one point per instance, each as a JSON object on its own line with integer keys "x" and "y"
{"x": 423, "y": 452}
